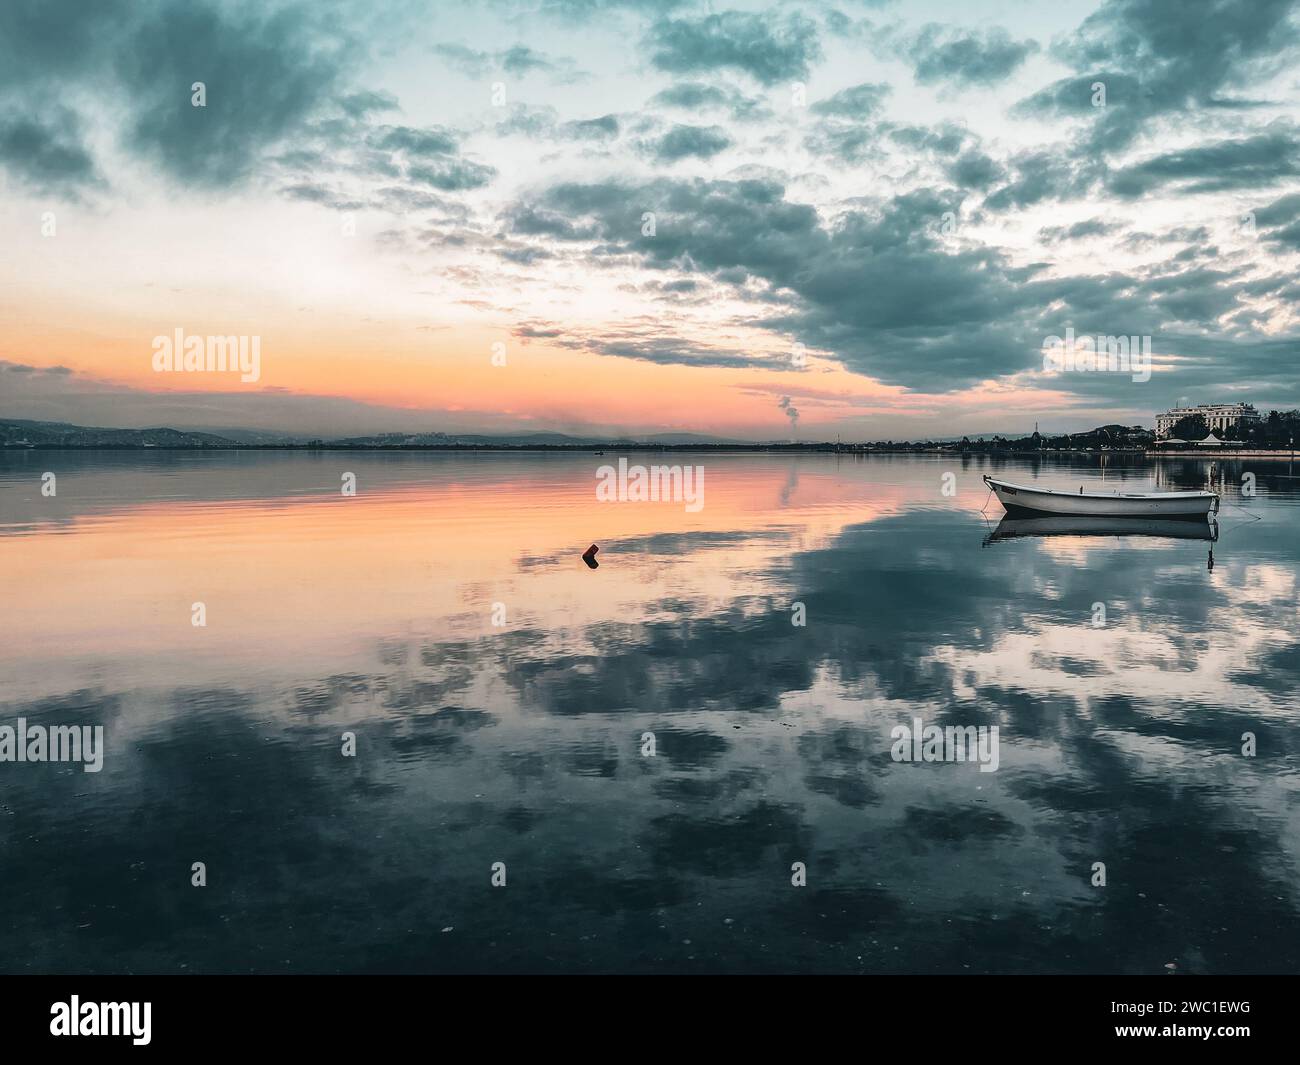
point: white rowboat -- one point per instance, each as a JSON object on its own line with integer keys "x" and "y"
{"x": 1021, "y": 500}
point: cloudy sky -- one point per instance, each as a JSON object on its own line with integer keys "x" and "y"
{"x": 751, "y": 219}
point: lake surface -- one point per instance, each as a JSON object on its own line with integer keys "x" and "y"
{"x": 500, "y": 693}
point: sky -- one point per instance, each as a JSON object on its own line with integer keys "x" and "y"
{"x": 752, "y": 220}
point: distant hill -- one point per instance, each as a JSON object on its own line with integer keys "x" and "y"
{"x": 678, "y": 439}
{"x": 16, "y": 433}
{"x": 20, "y": 433}
{"x": 257, "y": 437}
{"x": 464, "y": 440}
{"x": 526, "y": 440}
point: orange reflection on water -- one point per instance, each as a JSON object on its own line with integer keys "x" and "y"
{"x": 297, "y": 585}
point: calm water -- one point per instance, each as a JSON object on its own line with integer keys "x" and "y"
{"x": 522, "y": 742}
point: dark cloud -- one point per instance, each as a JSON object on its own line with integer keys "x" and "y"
{"x": 846, "y": 143}
{"x": 603, "y": 128}
{"x": 876, "y": 288}
{"x": 975, "y": 171}
{"x": 59, "y": 40}
{"x": 265, "y": 72}
{"x": 399, "y": 199}
{"x": 525, "y": 255}
{"x": 1044, "y": 175}
{"x": 47, "y": 156}
{"x": 768, "y": 48}
{"x": 273, "y": 76}
{"x": 965, "y": 57}
{"x": 847, "y": 140}
{"x": 1092, "y": 227}
{"x": 359, "y": 104}
{"x": 1244, "y": 163}
{"x": 543, "y": 123}
{"x": 266, "y": 69}
{"x": 518, "y": 61}
{"x": 698, "y": 96}
{"x": 417, "y": 142}
{"x": 653, "y": 345}
{"x": 879, "y": 288}
{"x": 528, "y": 121}
{"x": 944, "y": 139}
{"x": 682, "y": 142}
{"x": 310, "y": 192}
{"x": 691, "y": 94}
{"x": 1280, "y": 221}
{"x": 840, "y": 24}
{"x": 1176, "y": 56}
{"x": 452, "y": 175}
{"x": 1279, "y": 212}
{"x": 1082, "y": 96}
{"x": 338, "y": 163}
{"x": 531, "y": 220}
{"x": 467, "y": 60}
{"x": 859, "y": 102}
{"x": 581, "y": 10}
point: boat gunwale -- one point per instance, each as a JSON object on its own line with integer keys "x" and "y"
{"x": 1190, "y": 494}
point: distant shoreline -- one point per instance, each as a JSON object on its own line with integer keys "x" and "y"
{"x": 616, "y": 449}
{"x": 1115, "y": 439}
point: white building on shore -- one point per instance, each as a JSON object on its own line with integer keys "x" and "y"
{"x": 1219, "y": 417}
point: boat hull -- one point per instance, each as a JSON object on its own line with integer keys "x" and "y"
{"x": 1010, "y": 528}
{"x": 1023, "y": 501}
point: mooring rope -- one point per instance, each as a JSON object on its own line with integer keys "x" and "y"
{"x": 1250, "y": 518}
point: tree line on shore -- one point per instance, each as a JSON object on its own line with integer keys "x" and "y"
{"x": 1278, "y": 430}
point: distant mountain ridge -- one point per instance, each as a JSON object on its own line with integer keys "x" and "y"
{"x": 18, "y": 433}
{"x": 539, "y": 439}
{"x": 21, "y": 433}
